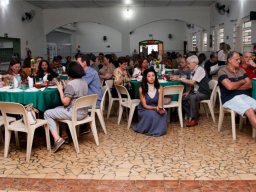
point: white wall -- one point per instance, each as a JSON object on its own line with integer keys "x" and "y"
{"x": 238, "y": 10}
{"x": 160, "y": 31}
{"x": 63, "y": 42}
{"x": 112, "y": 17}
{"x": 90, "y": 38}
{"x": 33, "y": 32}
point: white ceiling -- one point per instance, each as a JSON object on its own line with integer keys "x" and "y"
{"x": 58, "y": 4}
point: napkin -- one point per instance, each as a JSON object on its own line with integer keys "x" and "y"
{"x": 15, "y": 83}
{"x": 64, "y": 69}
{"x": 30, "y": 83}
{"x": 45, "y": 77}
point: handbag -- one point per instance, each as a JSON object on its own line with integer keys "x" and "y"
{"x": 31, "y": 113}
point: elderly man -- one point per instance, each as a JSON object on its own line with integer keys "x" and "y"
{"x": 234, "y": 86}
{"x": 199, "y": 90}
{"x": 248, "y": 65}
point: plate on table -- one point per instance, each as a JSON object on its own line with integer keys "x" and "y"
{"x": 14, "y": 90}
{"x": 52, "y": 87}
{"x": 162, "y": 81}
{"x": 32, "y": 90}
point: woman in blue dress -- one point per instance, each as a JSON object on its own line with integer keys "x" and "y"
{"x": 151, "y": 114}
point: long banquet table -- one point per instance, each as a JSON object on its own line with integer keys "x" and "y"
{"x": 42, "y": 100}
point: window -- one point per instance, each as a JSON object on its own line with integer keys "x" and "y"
{"x": 234, "y": 37}
{"x": 204, "y": 41}
{"x": 212, "y": 40}
{"x": 221, "y": 34}
{"x": 247, "y": 36}
{"x": 194, "y": 41}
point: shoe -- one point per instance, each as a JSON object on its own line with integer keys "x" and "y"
{"x": 85, "y": 131}
{"x": 58, "y": 144}
{"x": 192, "y": 123}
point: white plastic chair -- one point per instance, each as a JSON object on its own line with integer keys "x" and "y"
{"x": 22, "y": 125}
{"x": 171, "y": 90}
{"x": 126, "y": 102}
{"x": 109, "y": 84}
{"x": 9, "y": 119}
{"x": 233, "y": 115}
{"x": 211, "y": 102}
{"x": 100, "y": 111}
{"x": 82, "y": 102}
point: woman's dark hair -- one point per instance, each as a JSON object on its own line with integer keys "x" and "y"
{"x": 140, "y": 61}
{"x": 49, "y": 69}
{"x": 109, "y": 57}
{"x": 13, "y": 61}
{"x": 75, "y": 70}
{"x": 144, "y": 83}
{"x": 201, "y": 58}
{"x": 122, "y": 60}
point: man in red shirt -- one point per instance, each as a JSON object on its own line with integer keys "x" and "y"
{"x": 248, "y": 65}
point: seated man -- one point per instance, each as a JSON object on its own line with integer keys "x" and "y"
{"x": 91, "y": 77}
{"x": 248, "y": 65}
{"x": 199, "y": 90}
{"x": 234, "y": 86}
{"x": 211, "y": 66}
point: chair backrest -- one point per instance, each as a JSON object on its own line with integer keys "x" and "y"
{"x": 121, "y": 90}
{"x": 88, "y": 101}
{"x": 173, "y": 90}
{"x": 14, "y": 109}
{"x": 104, "y": 91}
{"x": 109, "y": 84}
{"x": 213, "y": 86}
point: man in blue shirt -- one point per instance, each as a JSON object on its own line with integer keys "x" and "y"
{"x": 91, "y": 77}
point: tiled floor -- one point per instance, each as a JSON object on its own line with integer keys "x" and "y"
{"x": 125, "y": 160}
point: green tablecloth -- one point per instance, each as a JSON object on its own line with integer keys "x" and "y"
{"x": 42, "y": 100}
{"x": 136, "y": 85}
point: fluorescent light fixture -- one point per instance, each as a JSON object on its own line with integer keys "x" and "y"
{"x": 4, "y": 3}
{"x": 127, "y": 13}
{"x": 127, "y": 2}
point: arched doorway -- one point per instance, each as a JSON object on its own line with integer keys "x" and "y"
{"x": 149, "y": 46}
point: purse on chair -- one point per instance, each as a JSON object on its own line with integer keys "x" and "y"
{"x": 31, "y": 113}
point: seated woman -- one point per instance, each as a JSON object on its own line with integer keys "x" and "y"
{"x": 143, "y": 65}
{"x": 151, "y": 114}
{"x": 121, "y": 76}
{"x": 74, "y": 89}
{"x": 106, "y": 72}
{"x": 45, "y": 69}
{"x": 16, "y": 70}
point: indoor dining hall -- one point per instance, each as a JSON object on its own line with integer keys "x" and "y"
{"x": 128, "y": 95}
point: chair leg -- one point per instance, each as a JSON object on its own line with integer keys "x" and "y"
{"x": 7, "y": 142}
{"x": 212, "y": 112}
{"x": 132, "y": 109}
{"x": 102, "y": 122}
{"x": 180, "y": 116}
{"x": 94, "y": 132}
{"x": 221, "y": 117}
{"x": 30, "y": 137}
{"x": 241, "y": 122}
{"x": 121, "y": 109}
{"x": 74, "y": 137}
{"x": 109, "y": 107}
{"x": 207, "y": 115}
{"x": 253, "y": 132}
{"x": 47, "y": 137}
{"x": 16, "y": 133}
{"x": 233, "y": 122}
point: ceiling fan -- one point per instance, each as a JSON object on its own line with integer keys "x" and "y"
{"x": 221, "y": 8}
